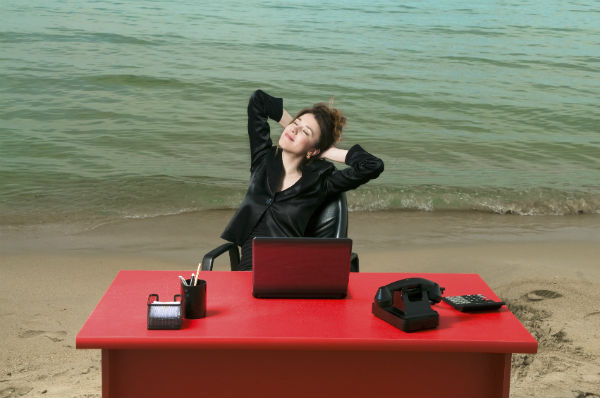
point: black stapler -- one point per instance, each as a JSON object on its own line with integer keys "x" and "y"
{"x": 406, "y": 304}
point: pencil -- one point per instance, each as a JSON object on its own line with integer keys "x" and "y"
{"x": 197, "y": 273}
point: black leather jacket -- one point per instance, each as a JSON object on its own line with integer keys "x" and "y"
{"x": 289, "y": 211}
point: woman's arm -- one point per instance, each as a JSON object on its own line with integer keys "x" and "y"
{"x": 261, "y": 107}
{"x": 286, "y": 118}
{"x": 363, "y": 167}
{"x": 335, "y": 154}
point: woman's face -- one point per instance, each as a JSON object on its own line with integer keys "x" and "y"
{"x": 301, "y": 136}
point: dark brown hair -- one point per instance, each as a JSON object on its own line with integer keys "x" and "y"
{"x": 331, "y": 122}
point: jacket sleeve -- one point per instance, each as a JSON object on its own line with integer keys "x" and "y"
{"x": 261, "y": 107}
{"x": 363, "y": 167}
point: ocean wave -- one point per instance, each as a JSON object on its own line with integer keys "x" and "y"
{"x": 532, "y": 202}
{"x": 525, "y": 202}
{"x": 73, "y": 35}
{"x": 135, "y": 80}
{"x": 474, "y": 31}
{"x": 143, "y": 216}
{"x": 483, "y": 60}
{"x": 61, "y": 198}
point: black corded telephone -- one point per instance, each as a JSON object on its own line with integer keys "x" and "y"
{"x": 406, "y": 304}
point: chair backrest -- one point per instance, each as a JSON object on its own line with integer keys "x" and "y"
{"x": 330, "y": 220}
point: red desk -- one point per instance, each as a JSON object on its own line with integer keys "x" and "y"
{"x": 298, "y": 347}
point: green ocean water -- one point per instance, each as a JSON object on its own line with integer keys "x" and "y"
{"x": 134, "y": 109}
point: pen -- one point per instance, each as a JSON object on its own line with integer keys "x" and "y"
{"x": 183, "y": 280}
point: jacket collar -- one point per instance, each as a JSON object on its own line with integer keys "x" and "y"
{"x": 310, "y": 174}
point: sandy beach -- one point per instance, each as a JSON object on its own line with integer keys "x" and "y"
{"x": 545, "y": 268}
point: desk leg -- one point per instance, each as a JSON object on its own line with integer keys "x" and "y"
{"x": 106, "y": 373}
{"x": 506, "y": 374}
{"x": 297, "y": 373}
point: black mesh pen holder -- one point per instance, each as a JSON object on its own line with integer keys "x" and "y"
{"x": 164, "y": 314}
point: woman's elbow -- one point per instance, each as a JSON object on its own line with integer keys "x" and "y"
{"x": 377, "y": 168}
{"x": 255, "y": 101}
{"x": 371, "y": 169}
{"x": 257, "y": 95}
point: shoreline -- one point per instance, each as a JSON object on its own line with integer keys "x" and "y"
{"x": 210, "y": 223}
{"x": 544, "y": 267}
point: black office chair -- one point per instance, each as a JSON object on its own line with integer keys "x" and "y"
{"x": 329, "y": 221}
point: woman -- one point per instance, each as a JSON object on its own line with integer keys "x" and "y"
{"x": 289, "y": 181}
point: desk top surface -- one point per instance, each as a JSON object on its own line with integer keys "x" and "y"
{"x": 237, "y": 320}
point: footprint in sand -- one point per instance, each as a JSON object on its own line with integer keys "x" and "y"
{"x": 53, "y": 336}
{"x": 88, "y": 370}
{"x": 539, "y": 295}
{"x": 593, "y": 320}
{"x": 30, "y": 333}
{"x": 583, "y": 394}
{"x": 12, "y": 391}
{"x": 592, "y": 314}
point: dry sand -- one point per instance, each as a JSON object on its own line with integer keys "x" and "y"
{"x": 545, "y": 268}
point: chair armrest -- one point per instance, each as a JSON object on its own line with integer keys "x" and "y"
{"x": 354, "y": 266}
{"x": 234, "y": 256}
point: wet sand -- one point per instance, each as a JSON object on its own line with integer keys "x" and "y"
{"x": 545, "y": 268}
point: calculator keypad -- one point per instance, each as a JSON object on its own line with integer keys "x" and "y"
{"x": 472, "y": 302}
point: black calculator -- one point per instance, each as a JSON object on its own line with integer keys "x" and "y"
{"x": 473, "y": 302}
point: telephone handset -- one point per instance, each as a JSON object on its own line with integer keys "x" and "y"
{"x": 406, "y": 304}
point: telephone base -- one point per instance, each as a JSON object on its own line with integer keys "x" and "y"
{"x": 407, "y": 323}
